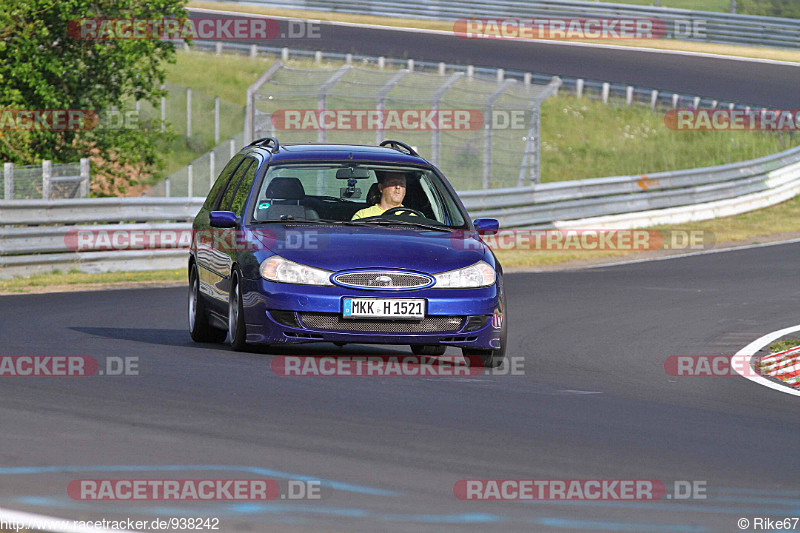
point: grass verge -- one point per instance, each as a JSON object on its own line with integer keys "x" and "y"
{"x": 75, "y": 280}
{"x": 783, "y": 345}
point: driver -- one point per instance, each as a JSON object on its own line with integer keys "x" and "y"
{"x": 392, "y": 187}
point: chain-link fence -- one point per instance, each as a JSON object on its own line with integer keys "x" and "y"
{"x": 46, "y": 181}
{"x": 482, "y": 132}
{"x": 197, "y": 178}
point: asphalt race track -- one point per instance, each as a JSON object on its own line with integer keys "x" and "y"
{"x": 759, "y": 83}
{"x": 594, "y": 403}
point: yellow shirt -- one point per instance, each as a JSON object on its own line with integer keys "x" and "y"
{"x": 372, "y": 211}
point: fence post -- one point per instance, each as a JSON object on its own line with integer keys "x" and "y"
{"x": 348, "y": 58}
{"x": 381, "y": 62}
{"x": 606, "y": 89}
{"x": 211, "y": 164}
{"x": 629, "y": 95}
{"x": 675, "y": 98}
{"x": 526, "y": 79}
{"x": 166, "y": 187}
{"x": 653, "y": 99}
{"x": 84, "y": 187}
{"x": 47, "y": 175}
{"x": 216, "y": 120}
{"x": 284, "y": 54}
{"x": 253, "y": 51}
{"x": 189, "y": 181}
{"x": 442, "y": 68}
{"x": 8, "y": 178}
{"x": 188, "y": 112}
{"x": 163, "y": 110}
{"x": 233, "y": 148}
{"x": 318, "y": 57}
{"x": 579, "y": 88}
{"x": 218, "y": 48}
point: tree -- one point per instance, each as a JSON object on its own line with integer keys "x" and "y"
{"x": 44, "y": 67}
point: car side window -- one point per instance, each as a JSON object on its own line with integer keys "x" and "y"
{"x": 240, "y": 197}
{"x": 222, "y": 180}
{"x": 233, "y": 184}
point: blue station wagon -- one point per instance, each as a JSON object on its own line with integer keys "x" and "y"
{"x": 300, "y": 243}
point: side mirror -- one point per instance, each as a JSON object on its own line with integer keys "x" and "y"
{"x": 222, "y": 219}
{"x": 486, "y": 226}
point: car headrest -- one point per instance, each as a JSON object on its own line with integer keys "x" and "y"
{"x": 285, "y": 189}
{"x": 373, "y": 195}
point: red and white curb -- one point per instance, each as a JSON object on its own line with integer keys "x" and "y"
{"x": 38, "y": 522}
{"x": 785, "y": 365}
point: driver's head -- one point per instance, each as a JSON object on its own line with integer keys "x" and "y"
{"x": 392, "y": 186}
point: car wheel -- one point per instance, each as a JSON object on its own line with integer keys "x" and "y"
{"x": 428, "y": 349}
{"x": 237, "y": 332}
{"x": 490, "y": 358}
{"x": 199, "y": 327}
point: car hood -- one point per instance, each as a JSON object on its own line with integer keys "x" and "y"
{"x": 338, "y": 247}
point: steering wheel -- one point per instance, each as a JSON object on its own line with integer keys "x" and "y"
{"x": 402, "y": 209}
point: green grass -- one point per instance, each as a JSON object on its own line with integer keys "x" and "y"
{"x": 76, "y": 278}
{"x": 696, "y": 5}
{"x": 587, "y": 139}
{"x": 783, "y": 345}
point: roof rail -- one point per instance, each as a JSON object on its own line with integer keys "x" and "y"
{"x": 397, "y": 145}
{"x": 265, "y": 141}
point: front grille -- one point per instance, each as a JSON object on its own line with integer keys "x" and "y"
{"x": 334, "y": 322}
{"x": 378, "y": 279}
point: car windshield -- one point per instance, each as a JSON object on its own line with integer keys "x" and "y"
{"x": 356, "y": 194}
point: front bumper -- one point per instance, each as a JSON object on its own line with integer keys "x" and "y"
{"x": 277, "y": 313}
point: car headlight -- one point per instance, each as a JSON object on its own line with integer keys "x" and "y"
{"x": 481, "y": 274}
{"x": 277, "y": 268}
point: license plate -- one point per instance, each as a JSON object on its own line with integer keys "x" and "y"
{"x": 412, "y": 308}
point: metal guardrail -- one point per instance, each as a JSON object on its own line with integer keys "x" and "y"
{"x": 718, "y": 27}
{"x": 33, "y": 233}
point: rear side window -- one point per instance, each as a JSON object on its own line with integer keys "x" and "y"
{"x": 233, "y": 184}
{"x": 240, "y": 197}
{"x": 222, "y": 180}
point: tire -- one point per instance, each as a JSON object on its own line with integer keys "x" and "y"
{"x": 237, "y": 331}
{"x": 428, "y": 349}
{"x": 199, "y": 327}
